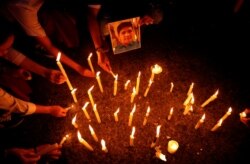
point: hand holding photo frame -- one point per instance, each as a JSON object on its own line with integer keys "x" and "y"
{"x": 125, "y": 35}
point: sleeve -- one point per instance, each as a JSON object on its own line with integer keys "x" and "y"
{"x": 27, "y": 17}
{"x": 13, "y": 104}
{"x": 14, "y": 56}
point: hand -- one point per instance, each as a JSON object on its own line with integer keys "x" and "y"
{"x": 27, "y": 156}
{"x": 56, "y": 76}
{"x": 103, "y": 62}
{"x": 50, "y": 151}
{"x": 146, "y": 20}
{"x": 58, "y": 111}
{"x": 245, "y": 120}
{"x": 86, "y": 72}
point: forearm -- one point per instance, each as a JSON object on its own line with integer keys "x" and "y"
{"x": 40, "y": 109}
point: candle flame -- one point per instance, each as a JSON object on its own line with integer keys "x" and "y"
{"x": 85, "y": 105}
{"x": 116, "y": 77}
{"x": 216, "y": 93}
{"x": 94, "y": 107}
{"x": 134, "y": 90}
{"x": 90, "y": 89}
{"x": 79, "y": 136}
{"x": 158, "y": 128}
{"x": 127, "y": 82}
{"x": 133, "y": 110}
{"x": 171, "y": 110}
{"x": 150, "y": 82}
{"x": 192, "y": 98}
{"x": 148, "y": 110}
{"x": 90, "y": 55}
{"x": 243, "y": 114}
{"x": 58, "y": 56}
{"x": 117, "y": 111}
{"x": 74, "y": 120}
{"x": 103, "y": 144}
{"x": 139, "y": 74}
{"x": 220, "y": 122}
{"x": 229, "y": 110}
{"x": 172, "y": 84}
{"x": 162, "y": 156}
{"x": 73, "y": 90}
{"x": 133, "y": 132}
{"x": 203, "y": 117}
{"x": 156, "y": 69}
{"x": 98, "y": 73}
{"x": 91, "y": 130}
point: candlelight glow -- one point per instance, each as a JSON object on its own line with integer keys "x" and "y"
{"x": 58, "y": 56}
{"x": 104, "y": 148}
{"x": 172, "y": 146}
{"x": 64, "y": 139}
{"x": 243, "y": 114}
{"x": 156, "y": 69}
{"x": 160, "y": 156}
{"x": 126, "y": 84}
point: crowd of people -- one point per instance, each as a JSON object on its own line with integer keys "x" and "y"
{"x": 47, "y": 25}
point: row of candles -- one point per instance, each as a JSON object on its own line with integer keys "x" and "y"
{"x": 156, "y": 69}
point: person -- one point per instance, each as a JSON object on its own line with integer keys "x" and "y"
{"x": 126, "y": 38}
{"x": 9, "y": 78}
{"x": 100, "y": 14}
{"x": 245, "y": 120}
{"x": 25, "y": 13}
{"x": 10, "y": 105}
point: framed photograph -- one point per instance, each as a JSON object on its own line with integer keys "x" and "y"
{"x": 125, "y": 35}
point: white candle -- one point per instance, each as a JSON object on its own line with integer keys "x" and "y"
{"x": 116, "y": 115}
{"x": 74, "y": 122}
{"x": 82, "y": 141}
{"x": 216, "y": 126}
{"x": 104, "y": 148}
{"x": 96, "y": 114}
{"x": 171, "y": 88}
{"x": 213, "y": 97}
{"x": 131, "y": 115}
{"x": 115, "y": 84}
{"x": 190, "y": 89}
{"x": 170, "y": 113}
{"x": 200, "y": 121}
{"x": 146, "y": 117}
{"x": 64, "y": 139}
{"x": 99, "y": 81}
{"x": 227, "y": 114}
{"x": 90, "y": 96}
{"x": 149, "y": 84}
{"x": 73, "y": 93}
{"x": 172, "y": 146}
{"x": 156, "y": 137}
{"x": 90, "y": 63}
{"x": 133, "y": 95}
{"x": 93, "y": 133}
{"x": 63, "y": 71}
{"x": 85, "y": 111}
{"x": 138, "y": 82}
{"x": 131, "y": 142}
{"x": 126, "y": 84}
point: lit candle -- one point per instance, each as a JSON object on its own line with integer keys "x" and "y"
{"x": 200, "y": 121}
{"x": 104, "y": 148}
{"x": 156, "y": 137}
{"x": 146, "y": 117}
{"x": 172, "y": 146}
{"x": 170, "y": 113}
{"x": 126, "y": 84}
{"x": 93, "y": 133}
{"x": 99, "y": 81}
{"x": 96, "y": 114}
{"x": 73, "y": 93}
{"x": 138, "y": 82}
{"x": 216, "y": 126}
{"x": 90, "y": 63}
{"x": 149, "y": 84}
{"x": 161, "y": 156}
{"x": 64, "y": 139}
{"x": 82, "y": 141}
{"x": 115, "y": 84}
{"x": 227, "y": 114}
{"x": 188, "y": 106}
{"x": 90, "y": 96}
{"x": 171, "y": 88}
{"x": 131, "y": 115}
{"x": 187, "y": 101}
{"x": 116, "y": 114}
{"x": 133, "y": 95}
{"x": 63, "y": 71}
{"x": 85, "y": 111}
{"x": 74, "y": 122}
{"x": 213, "y": 97}
{"x": 243, "y": 115}
{"x": 190, "y": 89}
{"x": 131, "y": 141}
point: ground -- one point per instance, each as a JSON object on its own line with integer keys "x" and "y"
{"x": 199, "y": 57}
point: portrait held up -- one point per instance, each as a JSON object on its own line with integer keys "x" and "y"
{"x": 125, "y": 35}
